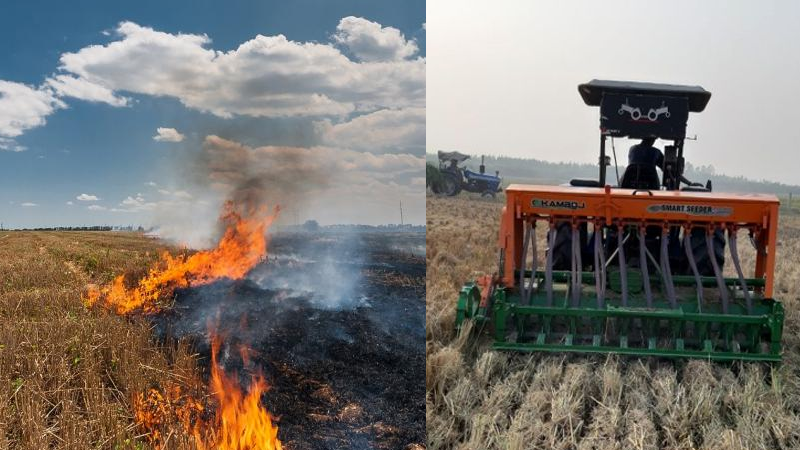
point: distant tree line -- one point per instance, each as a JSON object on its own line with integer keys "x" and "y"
{"x": 522, "y": 170}
{"x": 87, "y": 228}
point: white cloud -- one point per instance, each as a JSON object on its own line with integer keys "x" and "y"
{"x": 135, "y": 204}
{"x": 369, "y": 41}
{"x": 70, "y": 203}
{"x": 87, "y": 198}
{"x": 168, "y": 135}
{"x": 29, "y": 204}
{"x": 96, "y": 208}
{"x": 11, "y": 145}
{"x": 398, "y": 130}
{"x": 265, "y": 76}
{"x": 151, "y": 184}
{"x": 69, "y": 86}
{"x": 23, "y": 107}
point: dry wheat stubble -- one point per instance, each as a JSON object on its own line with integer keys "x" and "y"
{"x": 478, "y": 398}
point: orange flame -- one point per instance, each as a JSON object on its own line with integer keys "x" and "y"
{"x": 241, "y": 423}
{"x": 242, "y": 246}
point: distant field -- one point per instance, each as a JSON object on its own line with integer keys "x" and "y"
{"x": 68, "y": 373}
{"x": 481, "y": 399}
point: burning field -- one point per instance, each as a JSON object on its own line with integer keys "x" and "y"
{"x": 303, "y": 340}
{"x": 479, "y": 398}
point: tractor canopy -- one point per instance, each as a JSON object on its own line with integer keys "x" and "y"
{"x": 639, "y": 110}
{"x": 452, "y": 156}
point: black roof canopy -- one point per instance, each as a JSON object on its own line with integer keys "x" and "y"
{"x": 592, "y": 92}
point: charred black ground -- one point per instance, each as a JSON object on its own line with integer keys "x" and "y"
{"x": 337, "y": 322}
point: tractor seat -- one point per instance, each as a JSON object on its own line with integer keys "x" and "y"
{"x": 640, "y": 176}
{"x": 584, "y": 182}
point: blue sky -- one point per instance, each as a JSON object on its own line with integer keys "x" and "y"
{"x": 359, "y": 117}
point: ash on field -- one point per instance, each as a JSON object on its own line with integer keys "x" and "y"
{"x": 336, "y": 322}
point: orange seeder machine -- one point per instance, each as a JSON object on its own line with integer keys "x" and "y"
{"x": 635, "y": 269}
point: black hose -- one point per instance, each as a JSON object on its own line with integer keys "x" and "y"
{"x": 599, "y": 266}
{"x": 666, "y": 271}
{"x": 693, "y": 264}
{"x": 723, "y": 290}
{"x": 648, "y": 293}
{"x": 735, "y": 258}
{"x": 548, "y": 267}
{"x": 623, "y": 269}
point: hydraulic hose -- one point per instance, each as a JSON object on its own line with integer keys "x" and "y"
{"x": 693, "y": 265}
{"x": 666, "y": 271}
{"x": 548, "y": 266}
{"x": 523, "y": 264}
{"x": 723, "y": 290}
{"x": 599, "y": 266}
{"x": 577, "y": 267}
{"x": 735, "y": 258}
{"x": 623, "y": 270}
{"x": 648, "y": 293}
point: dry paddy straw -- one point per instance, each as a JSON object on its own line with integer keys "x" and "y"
{"x": 68, "y": 373}
{"x": 482, "y": 399}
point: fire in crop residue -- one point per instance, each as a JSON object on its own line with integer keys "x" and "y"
{"x": 241, "y": 247}
{"x": 240, "y": 421}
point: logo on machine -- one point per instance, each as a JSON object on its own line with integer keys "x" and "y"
{"x": 636, "y": 113}
{"x": 692, "y": 210}
{"x": 557, "y": 204}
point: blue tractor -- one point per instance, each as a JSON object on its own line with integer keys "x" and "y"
{"x": 455, "y": 179}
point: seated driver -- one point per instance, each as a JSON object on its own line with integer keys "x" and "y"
{"x": 645, "y": 154}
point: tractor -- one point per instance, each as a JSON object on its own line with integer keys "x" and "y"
{"x": 633, "y": 268}
{"x": 455, "y": 179}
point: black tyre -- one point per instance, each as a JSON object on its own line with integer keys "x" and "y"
{"x": 697, "y": 238}
{"x": 450, "y": 184}
{"x": 562, "y": 249}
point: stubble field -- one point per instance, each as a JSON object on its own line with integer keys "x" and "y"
{"x": 68, "y": 373}
{"x": 477, "y": 398}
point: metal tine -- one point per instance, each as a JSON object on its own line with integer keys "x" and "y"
{"x": 666, "y": 272}
{"x": 723, "y": 290}
{"x": 548, "y": 265}
{"x": 616, "y": 250}
{"x": 599, "y": 266}
{"x": 648, "y": 293}
{"x": 623, "y": 269}
{"x": 735, "y": 258}
{"x": 687, "y": 245}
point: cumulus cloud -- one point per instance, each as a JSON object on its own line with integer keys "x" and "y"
{"x": 96, "y": 208}
{"x": 23, "y": 107}
{"x": 369, "y": 41}
{"x": 29, "y": 204}
{"x": 69, "y": 86}
{"x": 167, "y": 135}
{"x": 69, "y": 203}
{"x": 397, "y": 130}
{"x": 267, "y": 76}
{"x": 87, "y": 198}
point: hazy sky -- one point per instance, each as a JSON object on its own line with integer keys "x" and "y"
{"x": 109, "y": 110}
{"x": 503, "y": 75}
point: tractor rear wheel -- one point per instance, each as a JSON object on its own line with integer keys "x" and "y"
{"x": 450, "y": 185}
{"x": 562, "y": 249}
{"x": 700, "y": 251}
